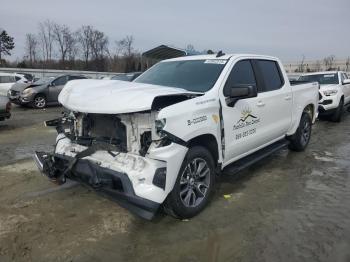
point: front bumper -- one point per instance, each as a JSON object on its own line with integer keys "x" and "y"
{"x": 114, "y": 185}
{"x": 18, "y": 100}
{"x": 327, "y": 104}
{"x": 126, "y": 178}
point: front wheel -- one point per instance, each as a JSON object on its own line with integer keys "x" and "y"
{"x": 39, "y": 102}
{"x": 194, "y": 184}
{"x": 301, "y": 138}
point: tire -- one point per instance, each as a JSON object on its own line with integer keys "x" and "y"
{"x": 301, "y": 138}
{"x": 192, "y": 191}
{"x": 39, "y": 101}
{"x": 337, "y": 116}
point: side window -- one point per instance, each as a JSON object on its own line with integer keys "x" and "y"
{"x": 76, "y": 77}
{"x": 17, "y": 78}
{"x": 60, "y": 81}
{"x": 242, "y": 74}
{"x": 343, "y": 77}
{"x": 270, "y": 74}
{"x": 7, "y": 79}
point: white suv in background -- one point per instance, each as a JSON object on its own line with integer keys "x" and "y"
{"x": 334, "y": 92}
{"x": 7, "y": 80}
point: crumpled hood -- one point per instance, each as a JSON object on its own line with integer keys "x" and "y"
{"x": 112, "y": 96}
{"x": 21, "y": 86}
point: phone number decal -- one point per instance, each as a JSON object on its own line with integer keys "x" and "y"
{"x": 245, "y": 133}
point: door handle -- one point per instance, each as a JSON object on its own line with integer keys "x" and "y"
{"x": 260, "y": 104}
{"x": 288, "y": 97}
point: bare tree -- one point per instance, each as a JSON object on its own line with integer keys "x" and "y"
{"x": 31, "y": 46}
{"x": 65, "y": 40}
{"x": 329, "y": 62}
{"x": 46, "y": 38}
{"x": 99, "y": 44}
{"x": 84, "y": 39}
{"x": 125, "y": 46}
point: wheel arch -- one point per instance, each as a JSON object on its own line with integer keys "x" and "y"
{"x": 310, "y": 109}
{"x": 209, "y": 142}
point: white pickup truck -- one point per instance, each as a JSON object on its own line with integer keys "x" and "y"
{"x": 162, "y": 139}
{"x": 334, "y": 92}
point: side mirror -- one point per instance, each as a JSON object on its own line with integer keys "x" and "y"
{"x": 346, "y": 81}
{"x": 238, "y": 92}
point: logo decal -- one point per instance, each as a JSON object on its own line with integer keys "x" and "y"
{"x": 246, "y": 116}
{"x": 247, "y": 119}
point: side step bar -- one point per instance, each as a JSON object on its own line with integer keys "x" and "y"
{"x": 247, "y": 161}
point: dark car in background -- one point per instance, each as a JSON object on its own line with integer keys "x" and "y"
{"x": 40, "y": 93}
{"x": 127, "y": 76}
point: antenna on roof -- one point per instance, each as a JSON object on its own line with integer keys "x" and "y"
{"x": 220, "y": 53}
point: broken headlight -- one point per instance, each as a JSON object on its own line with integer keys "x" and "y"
{"x": 159, "y": 125}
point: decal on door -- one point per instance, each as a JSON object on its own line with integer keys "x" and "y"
{"x": 248, "y": 119}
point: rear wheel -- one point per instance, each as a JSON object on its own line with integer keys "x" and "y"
{"x": 301, "y": 138}
{"x": 194, "y": 184}
{"x": 337, "y": 116}
{"x": 39, "y": 101}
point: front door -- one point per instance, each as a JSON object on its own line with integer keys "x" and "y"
{"x": 346, "y": 88}
{"x": 242, "y": 121}
{"x": 56, "y": 87}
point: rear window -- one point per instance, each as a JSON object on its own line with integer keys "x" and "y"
{"x": 270, "y": 74}
{"x": 322, "y": 79}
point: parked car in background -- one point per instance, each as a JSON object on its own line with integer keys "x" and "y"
{"x": 21, "y": 78}
{"x": 126, "y": 77}
{"x": 163, "y": 138}
{"x": 40, "y": 93}
{"x": 334, "y": 93}
{"x": 5, "y": 108}
{"x": 29, "y": 77}
{"x": 6, "y": 81}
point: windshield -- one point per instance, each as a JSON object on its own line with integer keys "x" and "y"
{"x": 192, "y": 75}
{"x": 322, "y": 79}
{"x": 43, "y": 81}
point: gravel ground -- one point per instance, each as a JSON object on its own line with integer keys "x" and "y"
{"x": 288, "y": 207}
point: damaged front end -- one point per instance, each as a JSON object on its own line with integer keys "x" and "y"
{"x": 126, "y": 157}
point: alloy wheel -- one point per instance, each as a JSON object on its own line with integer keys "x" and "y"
{"x": 194, "y": 182}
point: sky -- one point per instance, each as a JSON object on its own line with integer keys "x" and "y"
{"x": 287, "y": 29}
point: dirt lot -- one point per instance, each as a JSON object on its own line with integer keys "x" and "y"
{"x": 289, "y": 207}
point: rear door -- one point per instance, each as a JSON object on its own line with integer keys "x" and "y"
{"x": 56, "y": 87}
{"x": 275, "y": 100}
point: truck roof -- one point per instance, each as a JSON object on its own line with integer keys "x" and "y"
{"x": 223, "y": 57}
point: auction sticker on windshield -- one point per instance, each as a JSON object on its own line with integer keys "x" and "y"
{"x": 215, "y": 61}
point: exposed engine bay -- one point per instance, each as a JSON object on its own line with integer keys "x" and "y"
{"x": 127, "y": 133}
